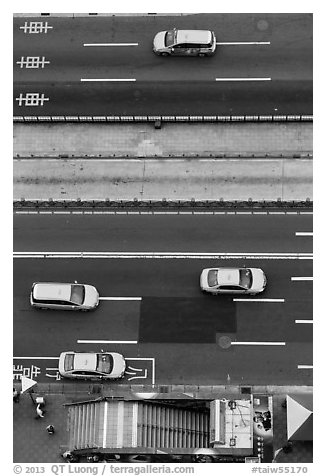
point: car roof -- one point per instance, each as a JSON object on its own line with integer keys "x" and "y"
{"x": 52, "y": 291}
{"x": 85, "y": 361}
{"x": 194, "y": 36}
{"x": 228, "y": 276}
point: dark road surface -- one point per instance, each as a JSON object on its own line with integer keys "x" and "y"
{"x": 176, "y": 333}
{"x": 166, "y": 86}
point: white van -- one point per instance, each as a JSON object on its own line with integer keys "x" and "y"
{"x": 184, "y": 43}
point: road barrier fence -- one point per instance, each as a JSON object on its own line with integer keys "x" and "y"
{"x": 158, "y": 120}
{"x": 163, "y": 204}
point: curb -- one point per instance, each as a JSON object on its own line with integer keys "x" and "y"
{"x": 233, "y": 155}
{"x": 192, "y": 204}
{"x": 157, "y": 120}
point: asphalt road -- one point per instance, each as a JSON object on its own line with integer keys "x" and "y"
{"x": 172, "y": 333}
{"x": 279, "y": 73}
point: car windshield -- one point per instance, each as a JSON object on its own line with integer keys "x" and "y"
{"x": 77, "y": 293}
{"x": 104, "y": 363}
{"x": 212, "y": 277}
{"x": 245, "y": 278}
{"x": 69, "y": 362}
{"x": 170, "y": 38}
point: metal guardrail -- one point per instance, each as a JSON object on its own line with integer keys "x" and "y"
{"x": 157, "y": 120}
{"x": 160, "y": 204}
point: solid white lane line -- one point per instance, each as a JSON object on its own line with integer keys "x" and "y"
{"x": 243, "y": 79}
{"x": 258, "y": 300}
{"x": 103, "y": 80}
{"x": 123, "y": 298}
{"x": 304, "y": 321}
{"x": 84, "y": 341}
{"x": 156, "y": 255}
{"x": 305, "y": 366}
{"x": 303, "y": 233}
{"x": 226, "y": 43}
{"x": 302, "y": 278}
{"x": 111, "y": 44}
{"x": 258, "y": 343}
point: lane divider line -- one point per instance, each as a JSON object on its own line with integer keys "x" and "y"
{"x": 227, "y": 43}
{"x": 120, "y": 298}
{"x": 303, "y": 233}
{"x": 106, "y": 79}
{"x": 258, "y": 343}
{"x": 111, "y": 44}
{"x": 36, "y": 358}
{"x": 258, "y": 300}
{"x": 302, "y": 278}
{"x": 86, "y": 341}
{"x": 158, "y": 255}
{"x": 304, "y": 321}
{"x": 305, "y": 366}
{"x": 243, "y": 79}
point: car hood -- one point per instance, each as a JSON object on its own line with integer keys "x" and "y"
{"x": 119, "y": 365}
{"x": 258, "y": 280}
{"x": 158, "y": 41}
{"x": 91, "y": 296}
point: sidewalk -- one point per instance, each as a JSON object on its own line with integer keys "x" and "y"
{"x": 123, "y": 162}
{"x": 173, "y": 140}
{"x": 37, "y": 446}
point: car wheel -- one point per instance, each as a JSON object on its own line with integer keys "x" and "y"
{"x": 202, "y": 55}
{"x": 164, "y": 54}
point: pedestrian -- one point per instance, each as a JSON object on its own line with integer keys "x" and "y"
{"x": 50, "y": 429}
{"x": 16, "y": 395}
{"x": 39, "y": 411}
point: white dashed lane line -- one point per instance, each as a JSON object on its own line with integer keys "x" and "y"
{"x": 303, "y": 233}
{"x": 106, "y": 80}
{"x": 243, "y": 79}
{"x": 258, "y": 300}
{"x": 305, "y": 366}
{"x": 302, "y": 278}
{"x": 120, "y": 298}
{"x": 111, "y": 44}
{"x": 245, "y": 43}
{"x": 85, "y": 341}
{"x": 258, "y": 343}
{"x": 304, "y": 321}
